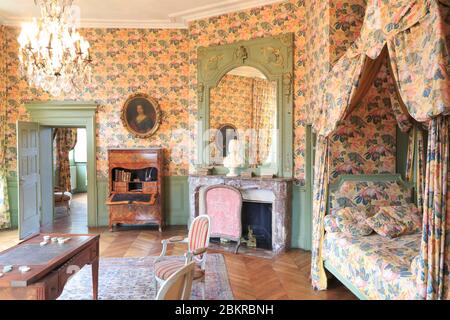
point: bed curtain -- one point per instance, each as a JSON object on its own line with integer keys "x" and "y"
{"x": 412, "y": 37}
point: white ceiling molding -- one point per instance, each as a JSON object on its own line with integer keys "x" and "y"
{"x": 176, "y": 20}
{"x": 101, "y": 23}
{"x": 217, "y": 9}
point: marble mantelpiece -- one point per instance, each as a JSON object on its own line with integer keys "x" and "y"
{"x": 277, "y": 191}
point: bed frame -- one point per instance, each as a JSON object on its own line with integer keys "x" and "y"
{"x": 334, "y": 188}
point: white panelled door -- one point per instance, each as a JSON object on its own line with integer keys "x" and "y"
{"x": 29, "y": 179}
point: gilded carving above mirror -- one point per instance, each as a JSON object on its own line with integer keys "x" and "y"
{"x": 245, "y": 94}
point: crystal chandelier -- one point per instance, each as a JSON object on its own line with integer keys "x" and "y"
{"x": 53, "y": 56}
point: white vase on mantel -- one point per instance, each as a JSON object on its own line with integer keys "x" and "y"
{"x": 234, "y": 160}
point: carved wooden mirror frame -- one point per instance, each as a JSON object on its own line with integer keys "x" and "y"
{"x": 273, "y": 56}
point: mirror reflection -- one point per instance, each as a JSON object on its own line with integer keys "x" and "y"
{"x": 243, "y": 107}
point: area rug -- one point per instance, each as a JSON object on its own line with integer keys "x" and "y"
{"x": 132, "y": 279}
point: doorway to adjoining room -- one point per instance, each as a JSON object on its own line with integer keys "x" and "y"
{"x": 70, "y": 180}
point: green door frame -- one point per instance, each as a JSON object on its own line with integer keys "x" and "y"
{"x": 76, "y": 115}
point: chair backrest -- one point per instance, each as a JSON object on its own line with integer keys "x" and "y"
{"x": 199, "y": 233}
{"x": 224, "y": 205}
{"x": 179, "y": 285}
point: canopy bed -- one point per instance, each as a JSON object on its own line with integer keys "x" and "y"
{"x": 411, "y": 38}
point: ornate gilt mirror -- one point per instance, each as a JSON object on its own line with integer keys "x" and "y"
{"x": 245, "y": 94}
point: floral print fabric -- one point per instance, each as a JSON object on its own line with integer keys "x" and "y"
{"x": 378, "y": 267}
{"x": 65, "y": 141}
{"x": 352, "y": 221}
{"x": 395, "y": 221}
{"x": 330, "y": 223}
{"x": 5, "y": 218}
{"x": 433, "y": 274}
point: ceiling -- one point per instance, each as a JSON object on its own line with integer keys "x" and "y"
{"x": 133, "y": 13}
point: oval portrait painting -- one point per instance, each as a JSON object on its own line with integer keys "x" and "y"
{"x": 141, "y": 115}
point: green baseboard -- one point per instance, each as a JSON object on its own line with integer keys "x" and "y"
{"x": 177, "y": 207}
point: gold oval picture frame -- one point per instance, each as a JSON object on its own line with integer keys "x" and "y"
{"x": 141, "y": 115}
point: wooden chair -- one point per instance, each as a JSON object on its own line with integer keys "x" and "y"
{"x": 198, "y": 241}
{"x": 224, "y": 205}
{"x": 179, "y": 285}
{"x": 62, "y": 198}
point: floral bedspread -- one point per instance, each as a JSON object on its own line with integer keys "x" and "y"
{"x": 379, "y": 267}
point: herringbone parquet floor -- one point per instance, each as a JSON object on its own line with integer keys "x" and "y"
{"x": 283, "y": 277}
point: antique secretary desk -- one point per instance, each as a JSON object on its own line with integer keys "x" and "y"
{"x": 136, "y": 187}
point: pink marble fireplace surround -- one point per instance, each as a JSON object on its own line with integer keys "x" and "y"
{"x": 277, "y": 191}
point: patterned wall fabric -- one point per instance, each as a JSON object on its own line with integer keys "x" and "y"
{"x": 365, "y": 143}
{"x": 126, "y": 61}
{"x": 5, "y": 219}
{"x": 346, "y": 19}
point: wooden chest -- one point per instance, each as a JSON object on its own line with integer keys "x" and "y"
{"x": 136, "y": 187}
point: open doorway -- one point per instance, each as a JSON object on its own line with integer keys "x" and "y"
{"x": 70, "y": 180}
{"x": 35, "y": 168}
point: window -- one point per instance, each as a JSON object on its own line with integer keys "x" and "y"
{"x": 81, "y": 147}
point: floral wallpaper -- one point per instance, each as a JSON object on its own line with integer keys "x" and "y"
{"x": 5, "y": 220}
{"x": 317, "y": 46}
{"x": 163, "y": 63}
{"x": 288, "y": 16}
{"x": 365, "y": 143}
{"x": 126, "y": 61}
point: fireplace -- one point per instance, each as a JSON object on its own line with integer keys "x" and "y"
{"x": 266, "y": 208}
{"x": 258, "y": 217}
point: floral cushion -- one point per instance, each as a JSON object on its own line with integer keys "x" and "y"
{"x": 352, "y": 221}
{"x": 395, "y": 221}
{"x": 330, "y": 223}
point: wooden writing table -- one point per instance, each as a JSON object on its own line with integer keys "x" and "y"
{"x": 51, "y": 266}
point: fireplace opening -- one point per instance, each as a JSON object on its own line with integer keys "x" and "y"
{"x": 257, "y": 217}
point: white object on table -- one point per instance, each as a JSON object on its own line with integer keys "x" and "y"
{"x": 24, "y": 269}
{"x": 43, "y": 243}
{"x": 46, "y": 238}
{"x": 7, "y": 268}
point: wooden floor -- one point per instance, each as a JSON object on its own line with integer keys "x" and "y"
{"x": 284, "y": 277}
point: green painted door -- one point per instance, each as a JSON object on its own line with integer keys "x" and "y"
{"x": 28, "y": 178}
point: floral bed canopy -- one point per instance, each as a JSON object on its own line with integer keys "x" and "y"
{"x": 413, "y": 38}
{"x": 416, "y": 34}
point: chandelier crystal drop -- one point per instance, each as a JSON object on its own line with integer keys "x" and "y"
{"x": 53, "y": 55}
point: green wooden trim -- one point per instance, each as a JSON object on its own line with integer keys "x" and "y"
{"x": 345, "y": 281}
{"x": 309, "y": 180}
{"x": 13, "y": 195}
{"x": 74, "y": 114}
{"x": 368, "y": 177}
{"x": 273, "y": 56}
{"x": 402, "y": 141}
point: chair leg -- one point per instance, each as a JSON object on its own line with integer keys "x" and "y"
{"x": 237, "y": 246}
{"x": 156, "y": 285}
